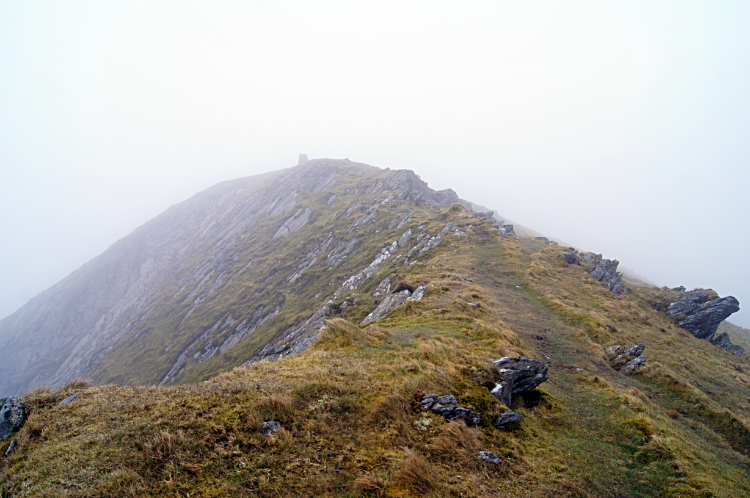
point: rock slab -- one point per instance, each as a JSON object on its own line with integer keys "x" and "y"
{"x": 704, "y": 322}
{"x": 509, "y": 420}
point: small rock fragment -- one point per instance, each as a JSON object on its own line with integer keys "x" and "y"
{"x": 473, "y": 305}
{"x": 488, "y": 457}
{"x": 10, "y": 448}
{"x": 447, "y": 406}
{"x": 269, "y": 428}
{"x": 70, "y": 398}
{"x": 509, "y": 420}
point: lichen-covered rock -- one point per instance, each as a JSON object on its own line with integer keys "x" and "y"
{"x": 447, "y": 407}
{"x": 606, "y": 272}
{"x": 631, "y": 352}
{"x": 613, "y": 351}
{"x": 723, "y": 341}
{"x": 508, "y": 420}
{"x": 687, "y": 304}
{"x": 704, "y": 322}
{"x": 13, "y": 415}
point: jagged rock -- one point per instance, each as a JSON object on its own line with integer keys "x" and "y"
{"x": 447, "y": 407}
{"x": 388, "y": 304}
{"x": 69, "y": 399}
{"x": 704, "y": 322}
{"x": 687, "y": 305}
{"x": 530, "y": 373}
{"x": 633, "y": 365}
{"x": 418, "y": 293}
{"x": 13, "y": 415}
{"x": 10, "y": 448}
{"x": 508, "y": 420}
{"x": 488, "y": 457}
{"x": 271, "y": 427}
{"x": 543, "y": 239}
{"x": 383, "y": 288}
{"x": 352, "y": 282}
{"x": 571, "y": 258}
{"x": 519, "y": 375}
{"x": 606, "y": 271}
{"x": 723, "y": 341}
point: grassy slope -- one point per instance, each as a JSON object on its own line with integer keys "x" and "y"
{"x": 350, "y": 413}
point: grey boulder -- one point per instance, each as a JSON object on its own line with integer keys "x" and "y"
{"x": 13, "y": 415}
{"x": 488, "y": 457}
{"x": 606, "y": 272}
{"x": 704, "y": 322}
{"x": 519, "y": 375}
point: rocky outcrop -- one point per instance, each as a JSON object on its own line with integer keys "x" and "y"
{"x": 606, "y": 272}
{"x": 13, "y": 415}
{"x": 704, "y": 321}
{"x": 724, "y": 342}
{"x": 447, "y": 406}
{"x": 294, "y": 223}
{"x": 626, "y": 360}
{"x": 519, "y": 375}
{"x": 393, "y": 301}
{"x": 294, "y": 340}
{"x": 687, "y": 305}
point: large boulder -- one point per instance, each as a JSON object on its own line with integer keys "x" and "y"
{"x": 519, "y": 375}
{"x": 13, "y": 415}
{"x": 704, "y": 322}
{"x": 571, "y": 258}
{"x": 687, "y": 304}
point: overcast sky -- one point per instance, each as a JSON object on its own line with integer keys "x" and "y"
{"x": 619, "y": 127}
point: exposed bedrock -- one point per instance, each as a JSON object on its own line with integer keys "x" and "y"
{"x": 722, "y": 340}
{"x": 703, "y": 322}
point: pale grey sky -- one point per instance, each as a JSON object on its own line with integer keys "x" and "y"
{"x": 620, "y": 127}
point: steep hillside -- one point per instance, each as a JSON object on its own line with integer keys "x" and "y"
{"x": 200, "y": 288}
{"x": 349, "y": 404}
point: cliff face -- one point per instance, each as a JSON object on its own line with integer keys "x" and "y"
{"x": 239, "y": 259}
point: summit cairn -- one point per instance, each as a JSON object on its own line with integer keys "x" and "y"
{"x": 302, "y": 159}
